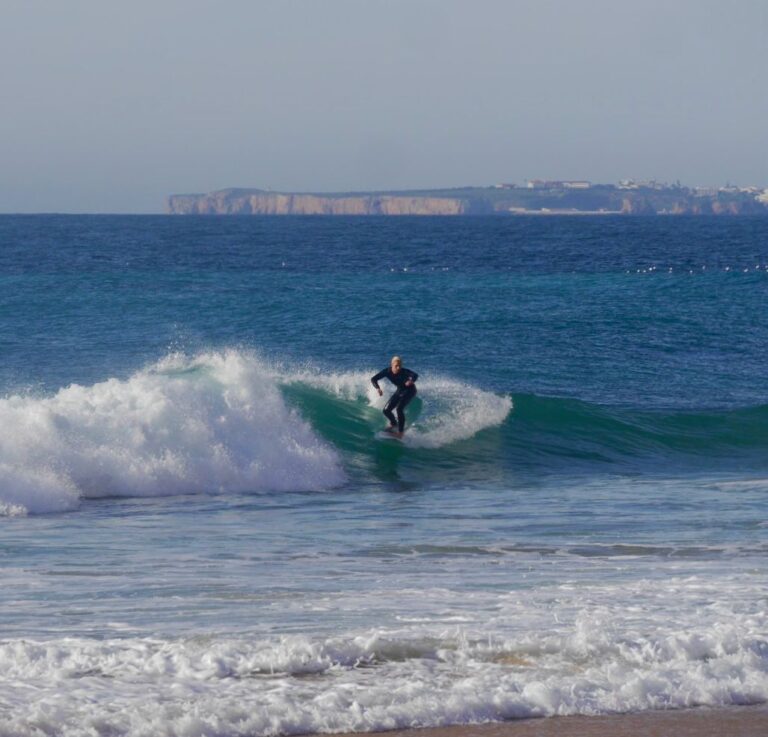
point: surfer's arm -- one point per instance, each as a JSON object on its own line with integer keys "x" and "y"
{"x": 375, "y": 379}
{"x": 412, "y": 376}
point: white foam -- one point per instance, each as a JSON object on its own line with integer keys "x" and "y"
{"x": 210, "y": 423}
{"x": 460, "y": 412}
{"x": 612, "y": 648}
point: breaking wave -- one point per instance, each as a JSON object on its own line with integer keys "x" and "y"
{"x": 230, "y": 422}
{"x": 216, "y": 422}
{"x": 211, "y": 423}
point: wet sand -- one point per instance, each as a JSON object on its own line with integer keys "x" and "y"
{"x": 736, "y": 721}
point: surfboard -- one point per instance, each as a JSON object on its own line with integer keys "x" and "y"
{"x": 384, "y": 435}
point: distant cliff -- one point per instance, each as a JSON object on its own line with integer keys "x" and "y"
{"x": 595, "y": 200}
{"x": 256, "y": 202}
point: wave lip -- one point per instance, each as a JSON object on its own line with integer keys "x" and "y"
{"x": 215, "y": 422}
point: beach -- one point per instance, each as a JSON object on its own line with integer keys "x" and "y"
{"x": 745, "y": 721}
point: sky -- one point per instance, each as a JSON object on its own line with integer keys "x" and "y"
{"x": 110, "y": 106}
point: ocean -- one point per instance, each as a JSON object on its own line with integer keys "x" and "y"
{"x": 202, "y": 535}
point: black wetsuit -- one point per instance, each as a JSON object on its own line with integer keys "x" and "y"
{"x": 403, "y": 394}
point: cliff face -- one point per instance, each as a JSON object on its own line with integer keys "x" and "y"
{"x": 238, "y": 202}
{"x": 598, "y": 199}
{"x": 640, "y": 205}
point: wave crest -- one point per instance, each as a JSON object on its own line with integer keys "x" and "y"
{"x": 211, "y": 423}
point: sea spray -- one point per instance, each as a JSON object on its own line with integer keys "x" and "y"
{"x": 211, "y": 423}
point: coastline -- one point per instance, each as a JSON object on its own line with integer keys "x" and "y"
{"x": 730, "y": 721}
{"x": 556, "y": 198}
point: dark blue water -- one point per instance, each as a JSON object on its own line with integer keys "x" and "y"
{"x": 645, "y": 312}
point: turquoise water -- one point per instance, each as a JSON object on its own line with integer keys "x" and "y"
{"x": 195, "y": 505}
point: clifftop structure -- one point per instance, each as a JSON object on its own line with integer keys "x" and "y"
{"x": 538, "y": 197}
{"x": 556, "y": 184}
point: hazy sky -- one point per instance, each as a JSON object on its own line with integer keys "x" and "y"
{"x": 109, "y": 106}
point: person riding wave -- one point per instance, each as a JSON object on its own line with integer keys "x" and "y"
{"x": 405, "y": 381}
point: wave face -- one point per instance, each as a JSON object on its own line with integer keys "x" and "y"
{"x": 475, "y": 433}
{"x": 555, "y": 429}
{"x": 211, "y": 423}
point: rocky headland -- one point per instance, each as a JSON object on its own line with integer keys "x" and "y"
{"x": 601, "y": 199}
{"x": 257, "y": 202}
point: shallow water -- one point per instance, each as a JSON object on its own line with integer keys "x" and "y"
{"x": 196, "y": 506}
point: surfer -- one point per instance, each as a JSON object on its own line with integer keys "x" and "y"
{"x": 405, "y": 381}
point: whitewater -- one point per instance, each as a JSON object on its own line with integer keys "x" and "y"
{"x": 200, "y": 533}
{"x": 415, "y": 676}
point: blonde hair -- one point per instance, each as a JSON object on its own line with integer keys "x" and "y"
{"x": 396, "y": 359}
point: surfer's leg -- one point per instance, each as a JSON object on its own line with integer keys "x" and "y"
{"x": 388, "y": 407}
{"x": 405, "y": 398}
